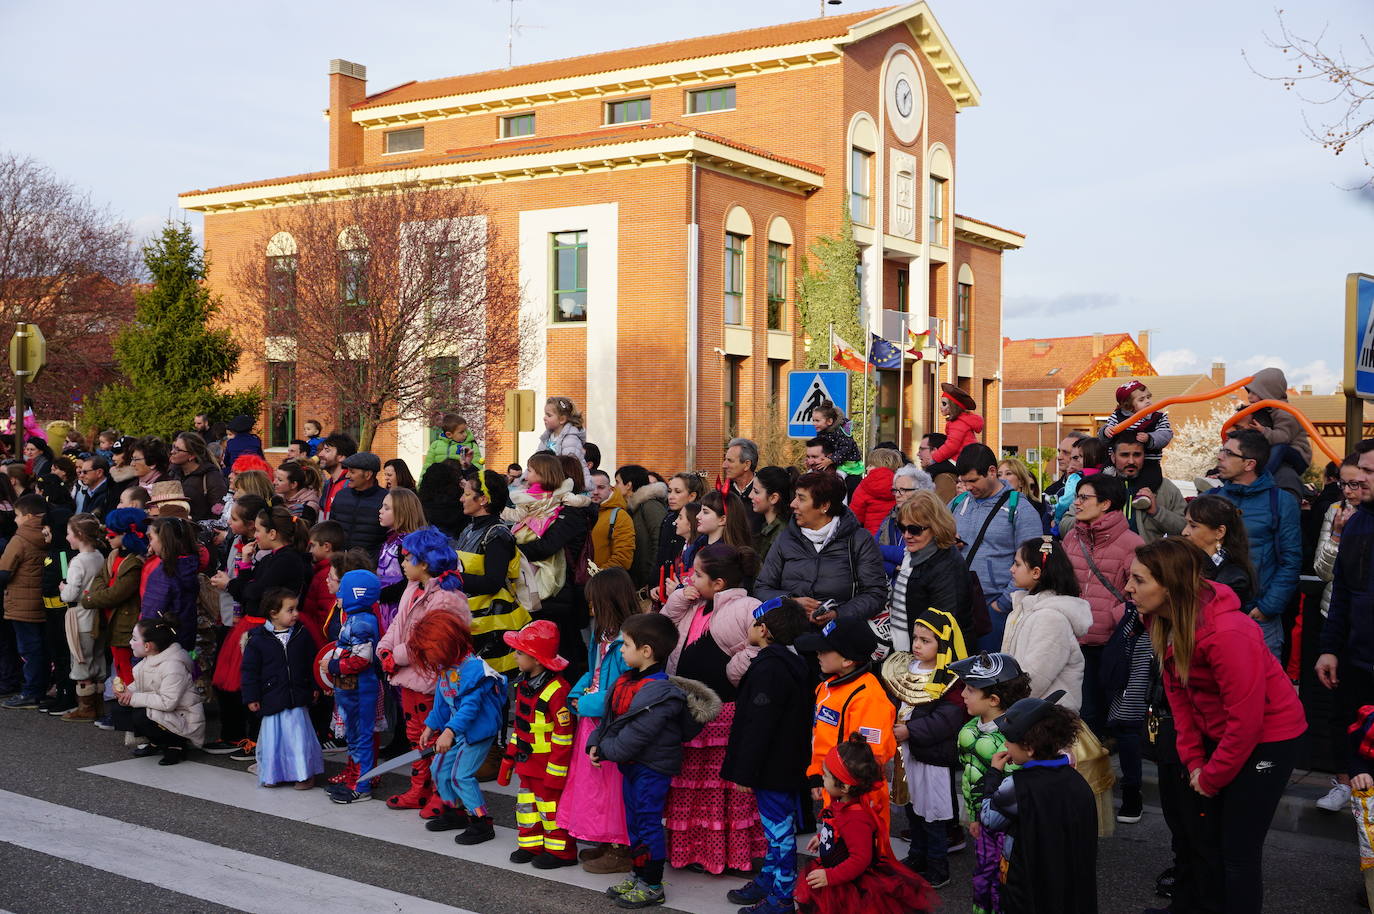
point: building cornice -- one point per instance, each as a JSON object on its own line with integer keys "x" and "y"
{"x": 987, "y": 235}
{"x": 932, "y": 41}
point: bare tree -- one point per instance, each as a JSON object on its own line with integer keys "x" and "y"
{"x": 68, "y": 265}
{"x": 390, "y": 305}
{"x": 1329, "y": 78}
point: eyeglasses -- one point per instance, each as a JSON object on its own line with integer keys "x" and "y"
{"x": 138, "y": 459}
{"x": 1354, "y": 484}
{"x": 898, "y": 490}
{"x": 1082, "y": 496}
{"x": 179, "y": 450}
{"x": 1226, "y": 452}
{"x": 912, "y": 529}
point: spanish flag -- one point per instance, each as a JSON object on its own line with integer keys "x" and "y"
{"x": 845, "y": 355}
{"x": 918, "y": 341}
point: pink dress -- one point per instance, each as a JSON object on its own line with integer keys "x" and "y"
{"x": 592, "y": 807}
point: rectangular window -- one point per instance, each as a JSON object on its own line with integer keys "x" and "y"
{"x": 281, "y": 282}
{"x": 775, "y": 392}
{"x": 353, "y": 276}
{"x": 937, "y": 210}
{"x": 411, "y": 139}
{"x": 777, "y": 284}
{"x": 1036, "y": 414}
{"x": 350, "y": 415}
{"x": 859, "y": 162}
{"x": 734, "y": 278}
{"x": 570, "y": 277}
{"x": 628, "y": 111}
{"x": 717, "y": 98}
{"x": 963, "y": 318}
{"x": 281, "y": 394}
{"x": 517, "y": 125}
{"x": 732, "y": 373}
{"x": 904, "y": 291}
{"x": 445, "y": 385}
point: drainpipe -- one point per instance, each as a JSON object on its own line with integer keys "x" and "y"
{"x": 693, "y": 308}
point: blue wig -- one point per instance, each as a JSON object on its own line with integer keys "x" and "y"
{"x": 132, "y": 523}
{"x": 428, "y": 547}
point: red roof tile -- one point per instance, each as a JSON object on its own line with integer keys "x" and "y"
{"x": 1051, "y": 362}
{"x": 665, "y": 52}
{"x": 530, "y": 146}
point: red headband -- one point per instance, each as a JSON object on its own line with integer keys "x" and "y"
{"x": 835, "y": 765}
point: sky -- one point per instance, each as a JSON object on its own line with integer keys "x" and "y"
{"x": 1162, "y": 183}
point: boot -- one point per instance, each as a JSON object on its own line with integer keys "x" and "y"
{"x": 591, "y": 853}
{"x": 492, "y": 766}
{"x": 478, "y": 831}
{"x": 615, "y": 859}
{"x": 413, "y": 798}
{"x": 87, "y": 703}
{"x": 348, "y": 776}
{"x": 449, "y": 818}
{"x": 433, "y": 806}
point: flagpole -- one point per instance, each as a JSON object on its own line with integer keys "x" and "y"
{"x": 830, "y": 354}
{"x": 901, "y": 381}
{"x": 868, "y": 355}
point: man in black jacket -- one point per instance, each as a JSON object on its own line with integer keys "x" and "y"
{"x": 94, "y": 492}
{"x": 356, "y": 505}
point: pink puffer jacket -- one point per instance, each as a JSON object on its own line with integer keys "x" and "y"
{"x": 415, "y": 605}
{"x": 1112, "y": 544}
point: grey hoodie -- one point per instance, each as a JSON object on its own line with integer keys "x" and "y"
{"x": 992, "y": 562}
{"x": 1277, "y": 426}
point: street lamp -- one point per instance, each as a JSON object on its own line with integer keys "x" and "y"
{"x": 825, "y": 3}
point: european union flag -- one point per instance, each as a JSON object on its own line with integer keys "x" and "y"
{"x": 883, "y": 354}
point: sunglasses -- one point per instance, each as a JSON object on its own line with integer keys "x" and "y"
{"x": 912, "y": 529}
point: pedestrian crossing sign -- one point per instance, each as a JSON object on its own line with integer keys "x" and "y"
{"x": 809, "y": 390}
{"x": 1359, "y": 335}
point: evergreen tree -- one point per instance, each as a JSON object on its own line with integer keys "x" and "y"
{"x": 172, "y": 360}
{"x": 828, "y": 296}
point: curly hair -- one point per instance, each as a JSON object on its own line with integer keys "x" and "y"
{"x": 1052, "y": 734}
{"x": 438, "y": 641}
{"x": 428, "y": 547}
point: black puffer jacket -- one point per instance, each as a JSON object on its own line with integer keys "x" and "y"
{"x": 848, "y": 569}
{"x": 280, "y": 679}
{"x": 941, "y": 582}
{"x": 770, "y": 737}
{"x": 933, "y": 730}
{"x": 356, "y": 511}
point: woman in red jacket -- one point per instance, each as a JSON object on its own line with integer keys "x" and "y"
{"x": 962, "y": 424}
{"x": 1238, "y": 721}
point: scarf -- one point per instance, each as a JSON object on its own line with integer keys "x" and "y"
{"x": 818, "y": 538}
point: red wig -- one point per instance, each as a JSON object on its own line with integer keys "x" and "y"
{"x": 251, "y": 462}
{"x": 438, "y": 641}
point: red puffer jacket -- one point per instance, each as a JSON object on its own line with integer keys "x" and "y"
{"x": 873, "y": 499}
{"x": 1236, "y": 695}
{"x": 1112, "y": 544}
{"x": 959, "y": 434}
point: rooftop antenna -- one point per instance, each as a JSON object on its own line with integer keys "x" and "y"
{"x": 824, "y": 3}
{"x": 513, "y": 28}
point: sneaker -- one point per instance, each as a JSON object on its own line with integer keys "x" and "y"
{"x": 344, "y": 795}
{"x": 1336, "y": 799}
{"x": 172, "y": 756}
{"x": 771, "y": 906}
{"x": 1131, "y": 806}
{"x": 247, "y": 751}
{"x": 214, "y": 747}
{"x": 1165, "y": 882}
{"x": 333, "y": 747}
{"x": 937, "y": 875}
{"x": 620, "y": 888}
{"x": 642, "y": 895}
{"x": 550, "y": 862}
{"x": 146, "y": 750}
{"x": 62, "y": 706}
{"x": 107, "y": 723}
{"x": 21, "y": 703}
{"x": 750, "y": 893}
{"x": 956, "y": 839}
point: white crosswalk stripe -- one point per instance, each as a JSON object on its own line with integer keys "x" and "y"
{"x": 206, "y": 871}
{"x": 687, "y": 891}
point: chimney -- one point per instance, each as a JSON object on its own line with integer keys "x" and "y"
{"x": 347, "y": 87}
{"x": 1097, "y": 345}
{"x": 1305, "y": 390}
{"x": 1219, "y": 374}
{"x": 1142, "y": 339}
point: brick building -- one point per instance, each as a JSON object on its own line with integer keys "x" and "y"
{"x": 660, "y": 199}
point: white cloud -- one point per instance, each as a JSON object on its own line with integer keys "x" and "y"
{"x": 1323, "y": 378}
{"x": 1176, "y": 361}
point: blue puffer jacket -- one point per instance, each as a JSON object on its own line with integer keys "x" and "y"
{"x": 470, "y": 700}
{"x": 174, "y": 594}
{"x": 593, "y": 704}
{"x": 236, "y": 447}
{"x": 1349, "y": 629}
{"x": 1275, "y": 542}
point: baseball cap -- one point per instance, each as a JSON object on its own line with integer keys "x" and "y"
{"x": 852, "y": 639}
{"x": 983, "y": 670}
{"x": 1025, "y": 714}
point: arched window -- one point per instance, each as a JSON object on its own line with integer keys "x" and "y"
{"x": 353, "y": 264}
{"x": 937, "y": 202}
{"x": 281, "y": 272}
{"x": 779, "y": 249}
{"x": 863, "y": 143}
{"x": 739, "y": 228}
{"x": 963, "y": 310}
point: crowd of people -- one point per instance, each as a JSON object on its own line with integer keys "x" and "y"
{"x": 684, "y": 673}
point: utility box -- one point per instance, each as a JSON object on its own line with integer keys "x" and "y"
{"x": 519, "y": 410}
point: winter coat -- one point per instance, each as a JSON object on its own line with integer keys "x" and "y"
{"x": 565, "y": 534}
{"x": 669, "y": 543}
{"x": 1349, "y": 629}
{"x": 732, "y": 615}
{"x": 1237, "y": 695}
{"x": 873, "y": 499}
{"x": 1043, "y": 633}
{"x": 770, "y": 737}
{"x": 890, "y": 543}
{"x": 98, "y": 502}
{"x": 83, "y": 568}
{"x": 992, "y": 562}
{"x": 939, "y": 582}
{"x": 305, "y": 503}
{"x": 848, "y": 569}
{"x": 665, "y": 713}
{"x": 614, "y": 536}
{"x": 24, "y": 558}
{"x": 1112, "y": 545}
{"x": 933, "y": 729}
{"x": 416, "y": 603}
{"x": 205, "y": 487}
{"x": 1275, "y": 542}
{"x": 284, "y": 567}
{"x": 593, "y": 704}
{"x": 356, "y": 511}
{"x": 175, "y": 593}
{"x": 960, "y": 432}
{"x": 1168, "y": 518}
{"x": 116, "y": 593}
{"x": 768, "y": 535}
{"x": 1324, "y": 560}
{"x": 277, "y": 676}
{"x": 847, "y": 704}
{"x": 647, "y": 505}
{"x": 470, "y": 700}
{"x": 445, "y": 448}
{"x": 236, "y": 447}
{"x": 1277, "y": 426}
{"x": 569, "y": 439}
{"x": 164, "y": 686}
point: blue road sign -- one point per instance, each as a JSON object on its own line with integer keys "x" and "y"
{"x": 807, "y": 390}
{"x": 1359, "y": 335}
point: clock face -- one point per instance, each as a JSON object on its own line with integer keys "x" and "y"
{"x": 902, "y": 96}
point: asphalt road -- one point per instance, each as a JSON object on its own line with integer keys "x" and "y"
{"x": 103, "y": 870}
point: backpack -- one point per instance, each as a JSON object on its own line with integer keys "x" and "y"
{"x": 525, "y": 584}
